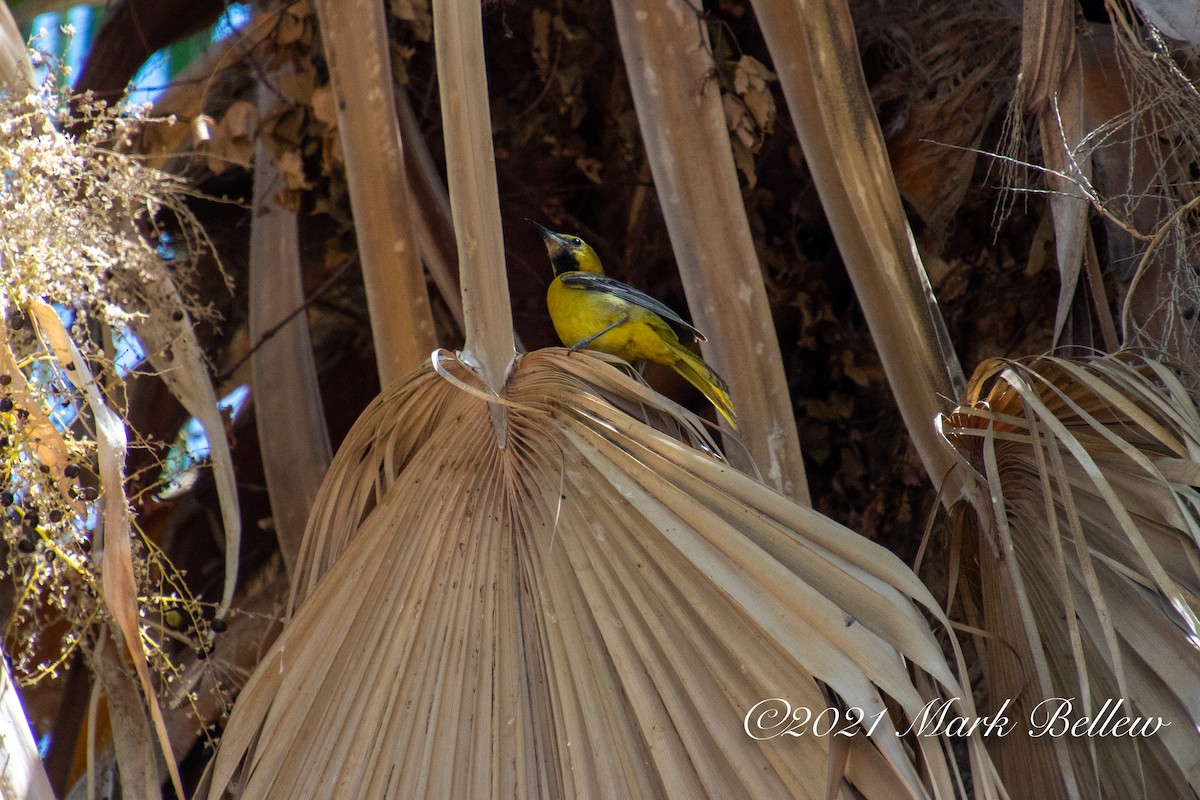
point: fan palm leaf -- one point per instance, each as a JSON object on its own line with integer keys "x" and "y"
{"x": 590, "y": 610}
{"x": 1089, "y": 570}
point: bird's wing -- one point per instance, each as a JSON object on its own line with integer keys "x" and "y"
{"x": 590, "y": 281}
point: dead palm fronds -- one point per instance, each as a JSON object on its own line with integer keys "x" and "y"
{"x": 1050, "y": 85}
{"x": 1089, "y": 544}
{"x": 113, "y": 542}
{"x": 591, "y": 610}
{"x": 293, "y": 437}
{"x": 356, "y": 46}
{"x": 1089, "y": 571}
{"x": 820, "y": 70}
{"x": 512, "y": 586}
{"x": 474, "y": 196}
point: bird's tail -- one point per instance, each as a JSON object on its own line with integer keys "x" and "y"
{"x": 702, "y": 376}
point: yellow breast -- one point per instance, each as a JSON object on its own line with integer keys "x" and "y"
{"x": 579, "y": 314}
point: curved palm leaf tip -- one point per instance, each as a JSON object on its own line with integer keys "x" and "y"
{"x": 1092, "y": 465}
{"x": 589, "y": 611}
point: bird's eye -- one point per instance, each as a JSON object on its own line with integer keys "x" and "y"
{"x": 576, "y": 240}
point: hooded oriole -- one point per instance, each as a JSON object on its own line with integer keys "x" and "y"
{"x": 591, "y": 310}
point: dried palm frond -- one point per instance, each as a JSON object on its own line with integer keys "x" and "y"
{"x": 820, "y": 72}
{"x": 15, "y": 68}
{"x": 293, "y": 437}
{"x": 591, "y": 610}
{"x": 1055, "y": 94}
{"x": 22, "y": 767}
{"x": 1090, "y": 571}
{"x": 356, "y": 49}
{"x": 79, "y": 214}
{"x": 681, "y": 110}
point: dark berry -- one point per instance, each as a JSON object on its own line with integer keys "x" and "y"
{"x": 50, "y": 554}
{"x": 42, "y": 468}
{"x": 55, "y": 515}
{"x": 202, "y": 653}
{"x": 90, "y": 493}
{"x": 85, "y": 545}
{"x": 6, "y": 404}
{"x": 27, "y": 545}
{"x": 7, "y": 499}
{"x": 71, "y": 471}
{"x": 16, "y": 322}
{"x": 219, "y": 625}
{"x": 5, "y": 379}
{"x": 177, "y": 316}
{"x": 22, "y": 414}
{"x": 32, "y": 519}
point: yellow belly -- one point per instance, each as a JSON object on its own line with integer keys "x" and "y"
{"x": 579, "y": 315}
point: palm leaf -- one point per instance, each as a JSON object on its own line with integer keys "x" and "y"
{"x": 591, "y": 610}
{"x": 820, "y": 71}
{"x": 22, "y": 766}
{"x": 356, "y": 47}
{"x": 293, "y": 437}
{"x": 15, "y": 67}
{"x": 1089, "y": 573}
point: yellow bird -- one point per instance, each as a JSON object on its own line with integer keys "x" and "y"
{"x": 591, "y": 310}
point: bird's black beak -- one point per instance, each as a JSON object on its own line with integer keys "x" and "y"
{"x": 547, "y": 234}
{"x": 562, "y": 259}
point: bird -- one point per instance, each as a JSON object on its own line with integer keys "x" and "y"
{"x": 593, "y": 311}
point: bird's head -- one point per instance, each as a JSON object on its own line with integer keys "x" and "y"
{"x": 569, "y": 253}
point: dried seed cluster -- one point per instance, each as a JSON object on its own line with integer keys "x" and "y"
{"x": 111, "y": 245}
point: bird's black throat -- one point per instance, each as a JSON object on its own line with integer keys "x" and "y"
{"x": 564, "y": 261}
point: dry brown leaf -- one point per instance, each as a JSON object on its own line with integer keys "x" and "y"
{"x": 741, "y": 123}
{"x": 355, "y": 40}
{"x": 590, "y": 611}
{"x": 174, "y": 350}
{"x": 293, "y": 439}
{"x": 231, "y": 142}
{"x": 50, "y": 447}
{"x": 297, "y": 84}
{"x": 324, "y": 106}
{"x": 592, "y": 168}
{"x": 686, "y": 136}
{"x": 418, "y": 13}
{"x": 1090, "y": 566}
{"x": 290, "y": 167}
{"x": 820, "y": 71}
{"x": 750, "y": 80}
